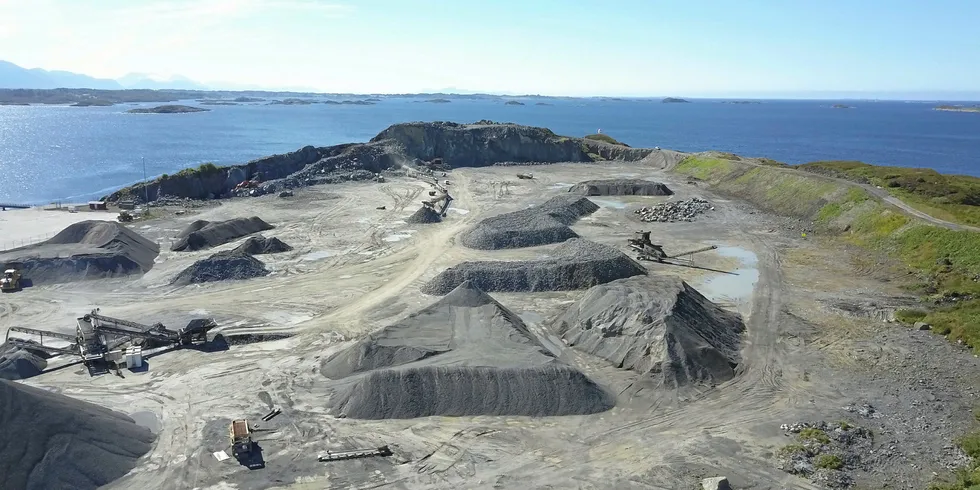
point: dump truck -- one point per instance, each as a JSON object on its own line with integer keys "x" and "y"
{"x": 526, "y": 176}
{"x": 10, "y": 281}
{"x": 241, "y": 438}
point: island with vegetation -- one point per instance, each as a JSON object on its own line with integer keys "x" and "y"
{"x": 958, "y": 108}
{"x": 168, "y": 109}
{"x": 513, "y": 102}
{"x": 675, "y": 100}
{"x": 438, "y": 101}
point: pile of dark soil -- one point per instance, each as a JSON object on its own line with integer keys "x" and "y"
{"x": 575, "y": 264}
{"x": 19, "y": 363}
{"x": 222, "y": 266}
{"x": 424, "y": 215}
{"x": 539, "y": 225}
{"x": 85, "y": 250}
{"x": 620, "y": 187}
{"x": 258, "y": 245}
{"x": 658, "y": 326}
{"x": 464, "y": 355}
{"x": 51, "y": 441}
{"x": 204, "y": 234}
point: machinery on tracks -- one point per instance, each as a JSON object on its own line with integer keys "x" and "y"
{"x": 647, "y": 250}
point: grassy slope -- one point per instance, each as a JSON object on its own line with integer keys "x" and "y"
{"x": 954, "y": 198}
{"x": 605, "y": 138}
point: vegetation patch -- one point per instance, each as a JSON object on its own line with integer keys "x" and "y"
{"x": 605, "y": 138}
{"x": 825, "y": 452}
{"x": 967, "y": 478}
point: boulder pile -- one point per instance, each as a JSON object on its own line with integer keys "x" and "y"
{"x": 671, "y": 211}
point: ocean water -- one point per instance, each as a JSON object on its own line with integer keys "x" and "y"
{"x": 59, "y": 153}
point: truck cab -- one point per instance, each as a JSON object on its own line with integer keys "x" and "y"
{"x": 10, "y": 280}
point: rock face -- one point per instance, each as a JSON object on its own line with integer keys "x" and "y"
{"x": 575, "y": 264}
{"x": 464, "y": 355}
{"x": 51, "y": 441}
{"x": 657, "y": 326}
{"x": 85, "y": 250}
{"x": 620, "y": 187}
{"x": 205, "y": 234}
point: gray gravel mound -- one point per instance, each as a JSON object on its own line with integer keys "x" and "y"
{"x": 19, "y": 363}
{"x": 575, "y": 264}
{"x": 539, "y": 225}
{"x": 658, "y": 326}
{"x": 85, "y": 250}
{"x": 258, "y": 245}
{"x": 466, "y": 354}
{"x": 620, "y": 187}
{"x": 54, "y": 442}
{"x": 222, "y": 266}
{"x": 424, "y": 215}
{"x": 198, "y": 235}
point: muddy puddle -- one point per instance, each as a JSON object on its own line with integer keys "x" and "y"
{"x": 734, "y": 288}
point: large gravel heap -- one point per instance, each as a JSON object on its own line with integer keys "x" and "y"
{"x": 424, "y": 215}
{"x": 575, "y": 264}
{"x": 672, "y": 211}
{"x": 203, "y": 234}
{"x": 464, "y": 355}
{"x": 539, "y": 225}
{"x": 620, "y": 187}
{"x": 222, "y": 266}
{"x": 51, "y": 441}
{"x": 258, "y": 245}
{"x": 657, "y": 326}
{"x": 19, "y": 363}
{"x": 85, "y": 250}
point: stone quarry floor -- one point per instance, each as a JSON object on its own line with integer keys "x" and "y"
{"x": 355, "y": 268}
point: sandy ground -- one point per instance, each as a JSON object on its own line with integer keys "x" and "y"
{"x": 356, "y": 268}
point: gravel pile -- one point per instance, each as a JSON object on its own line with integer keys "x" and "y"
{"x": 258, "y": 245}
{"x": 51, "y": 441}
{"x": 424, "y": 215}
{"x": 620, "y": 187}
{"x": 19, "y": 363}
{"x": 464, "y": 355}
{"x": 575, "y": 264}
{"x": 203, "y": 234}
{"x": 539, "y": 225}
{"x": 672, "y": 211}
{"x": 222, "y": 266}
{"x": 658, "y": 326}
{"x": 825, "y": 452}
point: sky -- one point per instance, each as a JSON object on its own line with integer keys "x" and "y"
{"x": 549, "y": 47}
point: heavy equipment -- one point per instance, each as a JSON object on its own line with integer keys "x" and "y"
{"x": 10, "y": 281}
{"x": 442, "y": 201}
{"x": 527, "y": 176}
{"x": 647, "y": 250}
{"x": 125, "y": 217}
{"x": 241, "y": 438}
{"x": 356, "y": 453}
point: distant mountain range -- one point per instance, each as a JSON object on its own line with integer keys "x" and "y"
{"x": 13, "y": 76}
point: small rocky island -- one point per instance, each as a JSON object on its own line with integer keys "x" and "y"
{"x": 438, "y": 101}
{"x": 168, "y": 109}
{"x": 842, "y": 106}
{"x": 958, "y": 108}
{"x": 514, "y": 102}
{"x": 675, "y": 100}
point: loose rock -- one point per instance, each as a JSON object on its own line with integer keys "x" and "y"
{"x": 671, "y": 211}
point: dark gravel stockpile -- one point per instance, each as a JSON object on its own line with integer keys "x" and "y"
{"x": 85, "y": 250}
{"x": 222, "y": 266}
{"x": 575, "y": 264}
{"x": 658, "y": 326}
{"x": 424, "y": 215}
{"x": 620, "y": 187}
{"x": 204, "y": 234}
{"x": 51, "y": 441}
{"x": 466, "y": 354}
{"x": 258, "y": 245}
{"x": 18, "y": 363}
{"x": 539, "y": 225}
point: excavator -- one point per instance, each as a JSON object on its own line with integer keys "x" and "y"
{"x": 647, "y": 250}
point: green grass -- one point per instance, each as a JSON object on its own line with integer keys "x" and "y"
{"x": 965, "y": 478}
{"x": 791, "y": 449}
{"x": 816, "y": 435}
{"x": 605, "y": 138}
{"x": 829, "y": 461}
{"x": 910, "y": 316}
{"x": 204, "y": 170}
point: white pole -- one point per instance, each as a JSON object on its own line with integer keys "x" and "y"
{"x": 146, "y": 191}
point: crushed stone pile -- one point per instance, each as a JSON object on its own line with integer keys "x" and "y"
{"x": 51, "y": 441}
{"x": 206, "y": 234}
{"x": 657, "y": 326}
{"x": 19, "y": 363}
{"x": 671, "y": 211}
{"x": 222, "y": 266}
{"x": 539, "y": 225}
{"x": 464, "y": 355}
{"x": 424, "y": 215}
{"x": 85, "y": 250}
{"x": 574, "y": 264}
{"x": 620, "y": 187}
{"x": 826, "y": 452}
{"x": 258, "y": 245}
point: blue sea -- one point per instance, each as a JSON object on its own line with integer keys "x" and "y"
{"x": 59, "y": 153}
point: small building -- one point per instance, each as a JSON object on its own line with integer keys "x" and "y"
{"x": 97, "y": 205}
